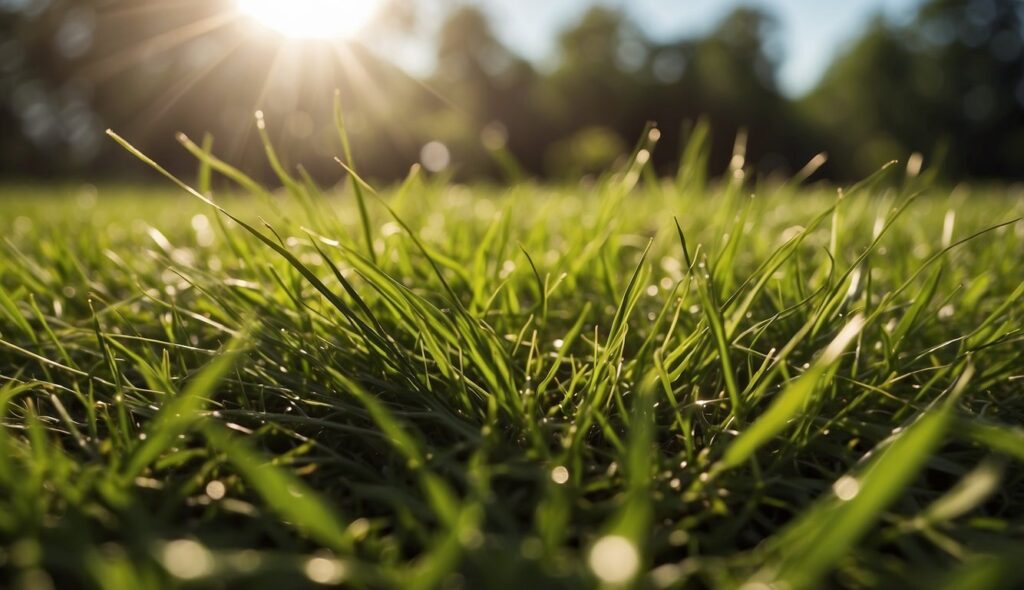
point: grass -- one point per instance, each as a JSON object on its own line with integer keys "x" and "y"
{"x": 629, "y": 383}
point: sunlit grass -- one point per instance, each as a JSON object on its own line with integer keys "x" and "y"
{"x": 633, "y": 381}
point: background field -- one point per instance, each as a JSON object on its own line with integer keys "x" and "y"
{"x": 534, "y": 386}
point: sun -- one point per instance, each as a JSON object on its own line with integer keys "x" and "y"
{"x": 311, "y": 19}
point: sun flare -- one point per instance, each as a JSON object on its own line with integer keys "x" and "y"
{"x": 311, "y": 19}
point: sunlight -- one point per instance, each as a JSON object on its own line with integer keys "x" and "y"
{"x": 312, "y": 19}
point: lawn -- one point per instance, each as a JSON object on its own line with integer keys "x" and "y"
{"x": 629, "y": 382}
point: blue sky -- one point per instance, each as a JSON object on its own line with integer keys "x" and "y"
{"x": 812, "y": 31}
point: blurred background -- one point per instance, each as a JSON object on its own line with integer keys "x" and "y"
{"x": 497, "y": 88}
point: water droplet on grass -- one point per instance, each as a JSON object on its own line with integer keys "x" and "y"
{"x": 215, "y": 490}
{"x": 560, "y": 475}
{"x": 187, "y": 559}
{"x": 846, "y": 488}
{"x": 614, "y": 559}
{"x": 325, "y": 571}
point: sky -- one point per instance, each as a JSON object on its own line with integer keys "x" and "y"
{"x": 812, "y": 31}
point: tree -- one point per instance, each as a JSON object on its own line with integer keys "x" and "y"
{"x": 952, "y": 80}
{"x": 597, "y": 82}
{"x": 487, "y": 87}
{"x": 734, "y": 81}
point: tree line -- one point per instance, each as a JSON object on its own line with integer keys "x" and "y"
{"x": 948, "y": 84}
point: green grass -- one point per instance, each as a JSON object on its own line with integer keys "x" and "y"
{"x": 629, "y": 383}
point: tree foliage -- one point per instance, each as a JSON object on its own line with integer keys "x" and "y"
{"x": 948, "y": 83}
